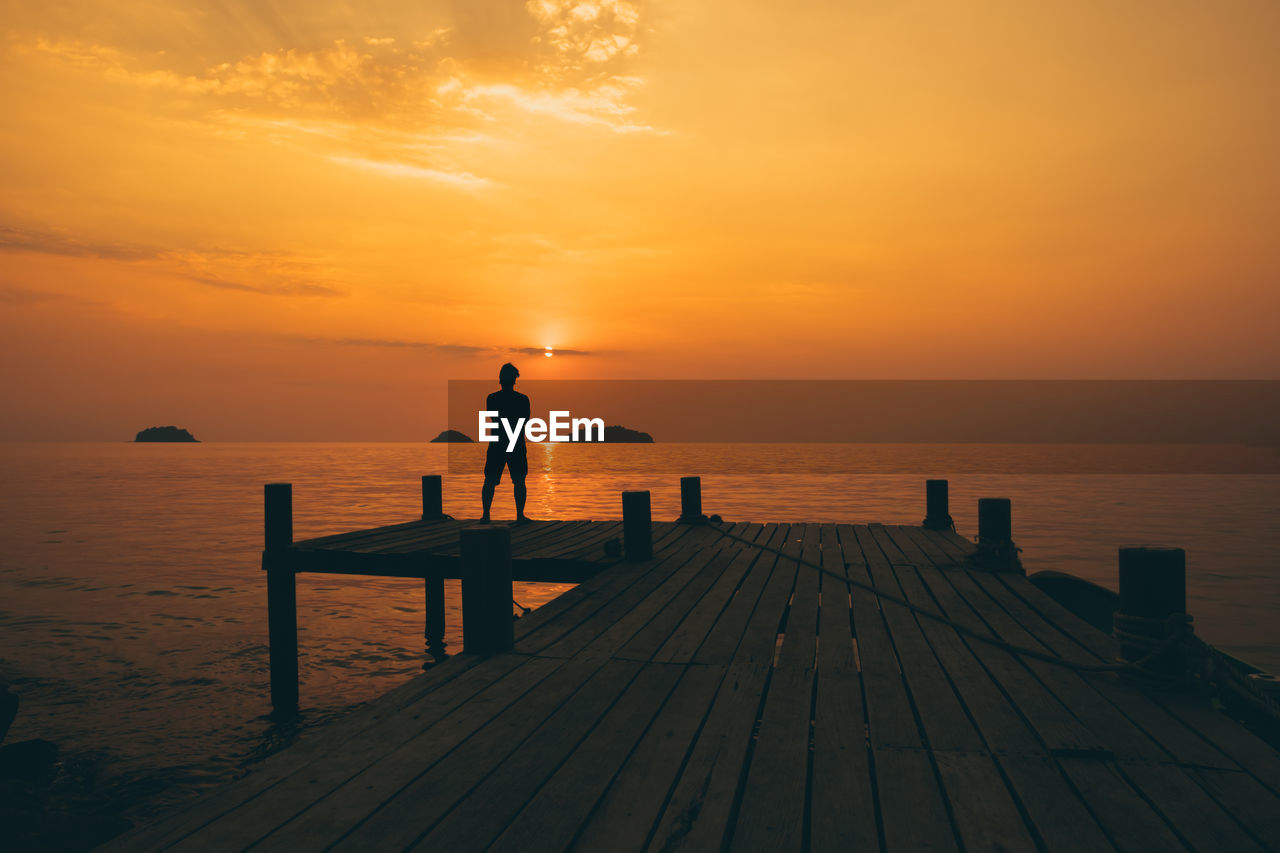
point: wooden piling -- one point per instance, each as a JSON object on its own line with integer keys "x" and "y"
{"x": 691, "y": 500}
{"x": 432, "y": 497}
{"x": 995, "y": 521}
{"x": 486, "y": 590}
{"x": 637, "y": 526}
{"x": 433, "y": 629}
{"x": 937, "y": 514}
{"x": 282, "y": 599}
{"x": 1153, "y": 586}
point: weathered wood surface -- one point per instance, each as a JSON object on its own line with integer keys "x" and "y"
{"x": 720, "y": 696}
{"x": 553, "y": 551}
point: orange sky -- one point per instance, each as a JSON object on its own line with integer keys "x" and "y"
{"x": 289, "y": 219}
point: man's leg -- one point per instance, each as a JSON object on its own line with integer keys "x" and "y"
{"x": 486, "y": 497}
{"x": 493, "y": 465}
{"x": 521, "y": 494}
{"x": 518, "y": 465}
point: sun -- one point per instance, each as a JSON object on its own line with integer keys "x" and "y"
{"x": 548, "y": 353}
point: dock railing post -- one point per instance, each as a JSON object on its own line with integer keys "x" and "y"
{"x": 637, "y": 526}
{"x": 1153, "y": 587}
{"x": 433, "y": 627}
{"x": 433, "y": 583}
{"x": 691, "y": 500}
{"x": 432, "y": 497}
{"x": 995, "y": 535}
{"x": 937, "y": 512}
{"x": 486, "y": 590}
{"x": 282, "y": 598}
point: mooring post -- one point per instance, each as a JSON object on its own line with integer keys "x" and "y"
{"x": 1153, "y": 587}
{"x": 691, "y": 500}
{"x": 637, "y": 526}
{"x": 995, "y": 521}
{"x": 937, "y": 513}
{"x": 486, "y": 590}
{"x": 432, "y": 497}
{"x": 433, "y": 630}
{"x": 282, "y": 597}
{"x": 433, "y": 582}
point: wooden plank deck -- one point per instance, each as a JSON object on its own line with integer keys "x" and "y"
{"x": 549, "y": 551}
{"x": 721, "y": 696}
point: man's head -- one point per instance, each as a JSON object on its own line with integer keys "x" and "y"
{"x": 507, "y": 375}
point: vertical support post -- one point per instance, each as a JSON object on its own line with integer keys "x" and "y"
{"x": 282, "y": 599}
{"x": 433, "y": 631}
{"x": 1153, "y": 586}
{"x": 432, "y": 497}
{"x": 637, "y": 526}
{"x": 691, "y": 500}
{"x": 486, "y": 590}
{"x": 995, "y": 522}
{"x": 937, "y": 511}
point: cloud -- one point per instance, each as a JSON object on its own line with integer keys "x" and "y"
{"x": 562, "y": 60}
{"x": 263, "y": 273}
{"x": 408, "y": 170}
{"x": 66, "y": 245}
{"x": 542, "y": 351}
{"x": 400, "y": 343}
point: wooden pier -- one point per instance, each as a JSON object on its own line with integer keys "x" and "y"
{"x": 723, "y": 693}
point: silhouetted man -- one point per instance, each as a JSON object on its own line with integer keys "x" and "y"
{"x": 511, "y": 407}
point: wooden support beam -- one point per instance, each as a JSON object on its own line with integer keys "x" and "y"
{"x": 486, "y": 590}
{"x": 282, "y": 598}
{"x": 433, "y": 630}
{"x": 637, "y": 526}
{"x": 995, "y": 521}
{"x": 1153, "y": 586}
{"x": 432, "y": 497}
{"x": 691, "y": 500}
{"x": 937, "y": 514}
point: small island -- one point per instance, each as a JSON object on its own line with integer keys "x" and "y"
{"x": 452, "y": 436}
{"x": 165, "y": 433}
{"x": 621, "y": 434}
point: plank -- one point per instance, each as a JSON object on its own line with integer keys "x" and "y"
{"x": 912, "y": 810}
{"x": 1173, "y": 739}
{"x": 773, "y": 805}
{"x": 329, "y": 797}
{"x": 911, "y": 806}
{"x": 690, "y": 635}
{"x": 1192, "y": 813}
{"x": 842, "y": 801}
{"x": 731, "y": 625}
{"x": 400, "y": 817}
{"x": 1129, "y": 822}
{"x": 646, "y": 641}
{"x": 702, "y": 801}
{"x": 1225, "y": 735}
{"x": 625, "y": 814}
{"x": 594, "y": 738}
{"x": 1053, "y": 725}
{"x": 1060, "y": 818}
{"x": 890, "y": 718}
{"x": 312, "y": 747}
{"x": 945, "y": 722}
{"x": 574, "y": 638}
{"x": 1256, "y": 808}
{"x": 986, "y": 814}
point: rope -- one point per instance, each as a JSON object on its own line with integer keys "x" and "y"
{"x": 524, "y": 611}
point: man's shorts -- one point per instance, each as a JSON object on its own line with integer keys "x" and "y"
{"x": 517, "y": 462}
